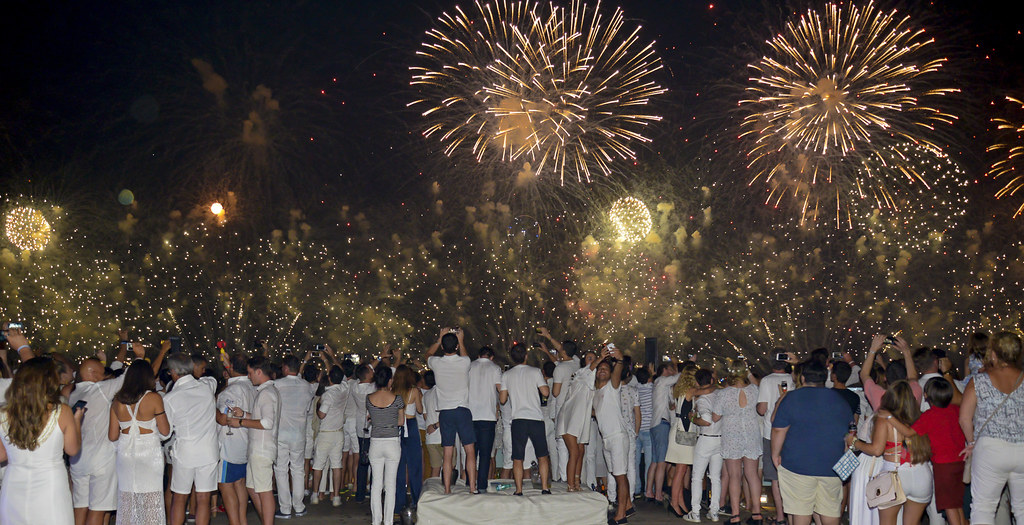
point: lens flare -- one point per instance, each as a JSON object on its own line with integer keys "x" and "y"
{"x": 566, "y": 89}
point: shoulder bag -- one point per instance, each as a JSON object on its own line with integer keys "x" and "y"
{"x": 686, "y": 438}
{"x": 885, "y": 490}
{"x": 967, "y": 462}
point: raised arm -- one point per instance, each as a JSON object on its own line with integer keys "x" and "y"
{"x": 554, "y": 344}
{"x": 462, "y": 345}
{"x": 437, "y": 344}
{"x": 908, "y": 358}
{"x": 19, "y": 343}
{"x": 164, "y": 347}
{"x": 865, "y": 371}
{"x": 617, "y": 369}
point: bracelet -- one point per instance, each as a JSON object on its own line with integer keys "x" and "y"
{"x": 22, "y": 347}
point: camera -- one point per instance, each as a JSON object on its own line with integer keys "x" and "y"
{"x": 782, "y": 356}
{"x": 890, "y": 340}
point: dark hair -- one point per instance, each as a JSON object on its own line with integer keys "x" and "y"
{"x": 939, "y": 392}
{"x": 486, "y": 351}
{"x": 924, "y": 359}
{"x": 311, "y": 374}
{"x": 781, "y": 366}
{"x": 382, "y": 376}
{"x": 627, "y": 367}
{"x": 258, "y": 362}
{"x": 198, "y": 358}
{"x": 363, "y": 371}
{"x": 449, "y": 343}
{"x": 238, "y": 363}
{"x": 842, "y": 370}
{"x": 348, "y": 367}
{"x": 548, "y": 368}
{"x": 428, "y": 379}
{"x": 291, "y": 362}
{"x": 814, "y": 372}
{"x": 138, "y": 379}
{"x": 570, "y": 347}
{"x": 517, "y": 353}
{"x": 895, "y": 371}
{"x": 643, "y": 375}
{"x": 977, "y": 344}
{"x": 336, "y": 375}
{"x": 661, "y": 370}
{"x": 703, "y": 376}
{"x": 820, "y": 355}
{"x": 164, "y": 375}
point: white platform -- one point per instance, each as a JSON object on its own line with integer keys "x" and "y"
{"x": 582, "y": 508}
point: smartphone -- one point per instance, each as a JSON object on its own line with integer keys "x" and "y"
{"x": 837, "y": 356}
{"x": 15, "y": 326}
{"x": 354, "y": 358}
{"x": 80, "y": 405}
{"x": 782, "y": 356}
{"x": 692, "y": 357}
{"x": 175, "y": 343}
{"x": 666, "y": 358}
{"x": 536, "y": 344}
{"x": 785, "y": 386}
{"x": 318, "y": 348}
{"x": 538, "y": 329}
{"x": 314, "y": 354}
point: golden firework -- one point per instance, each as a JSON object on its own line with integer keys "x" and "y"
{"x": 27, "y": 228}
{"x": 1012, "y": 150}
{"x": 835, "y": 89}
{"x": 565, "y": 88}
{"x": 631, "y": 219}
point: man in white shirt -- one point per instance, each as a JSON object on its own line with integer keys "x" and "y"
{"x": 451, "y": 371}
{"x": 331, "y": 439}
{"x": 567, "y": 364}
{"x": 93, "y": 469}
{"x": 355, "y": 415}
{"x": 234, "y": 443}
{"x": 484, "y": 381}
{"x": 192, "y": 412}
{"x": 263, "y": 423}
{"x": 296, "y": 402}
{"x": 432, "y": 427}
{"x": 661, "y": 403}
{"x": 608, "y": 412}
{"x": 769, "y": 392}
{"x": 521, "y": 388}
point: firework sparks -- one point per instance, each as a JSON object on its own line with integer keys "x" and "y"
{"x": 631, "y": 219}
{"x": 1011, "y": 150}
{"x": 833, "y": 91}
{"x": 27, "y": 228}
{"x": 562, "y": 88}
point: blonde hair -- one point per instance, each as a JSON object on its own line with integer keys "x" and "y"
{"x": 687, "y": 381}
{"x": 736, "y": 371}
{"x": 1004, "y": 347}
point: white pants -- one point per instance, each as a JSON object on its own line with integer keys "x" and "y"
{"x": 385, "y": 453}
{"x": 996, "y": 463}
{"x": 553, "y": 452}
{"x": 707, "y": 454}
{"x": 630, "y": 469}
{"x": 290, "y": 459}
{"x": 592, "y": 456}
{"x": 560, "y": 460}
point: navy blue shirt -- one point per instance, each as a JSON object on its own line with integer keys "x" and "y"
{"x": 818, "y": 421}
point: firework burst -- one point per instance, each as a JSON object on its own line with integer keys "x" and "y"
{"x": 834, "y": 90}
{"x": 566, "y": 89}
{"x": 1011, "y": 150}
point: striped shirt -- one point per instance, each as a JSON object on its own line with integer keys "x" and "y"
{"x": 645, "y": 393}
{"x": 385, "y": 420}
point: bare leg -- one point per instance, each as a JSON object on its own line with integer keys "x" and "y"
{"x": 336, "y": 473}
{"x": 470, "y": 469}
{"x": 780, "y": 513}
{"x": 517, "y": 473}
{"x": 574, "y": 457}
{"x": 269, "y": 505}
{"x": 178, "y": 508}
{"x": 545, "y": 471}
{"x": 317, "y": 474}
{"x": 80, "y": 515}
{"x": 659, "y": 480}
{"x": 446, "y": 477}
{"x": 96, "y": 517}
{"x": 581, "y": 451}
{"x": 677, "y": 489}
{"x": 753, "y": 485}
{"x": 622, "y": 496}
{"x": 735, "y": 477}
{"x": 912, "y": 512}
{"x": 203, "y": 508}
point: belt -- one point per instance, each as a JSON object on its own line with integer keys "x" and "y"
{"x": 711, "y": 435}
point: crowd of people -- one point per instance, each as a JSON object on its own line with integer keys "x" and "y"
{"x": 176, "y": 437}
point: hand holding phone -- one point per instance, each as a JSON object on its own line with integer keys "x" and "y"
{"x": 80, "y": 405}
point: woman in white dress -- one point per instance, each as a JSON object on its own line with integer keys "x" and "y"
{"x": 681, "y": 456}
{"x": 735, "y": 407}
{"x": 574, "y": 419}
{"x": 136, "y": 416}
{"x": 36, "y": 429}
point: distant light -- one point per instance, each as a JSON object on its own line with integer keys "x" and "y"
{"x": 217, "y": 209}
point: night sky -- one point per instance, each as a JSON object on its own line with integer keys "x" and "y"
{"x": 73, "y": 70}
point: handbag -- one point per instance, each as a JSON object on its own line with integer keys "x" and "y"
{"x": 847, "y": 463}
{"x": 685, "y": 438}
{"x": 967, "y": 462}
{"x": 886, "y": 490}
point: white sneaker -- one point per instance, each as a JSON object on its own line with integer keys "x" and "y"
{"x": 336, "y": 501}
{"x": 713, "y": 515}
{"x": 693, "y": 516}
{"x": 314, "y": 499}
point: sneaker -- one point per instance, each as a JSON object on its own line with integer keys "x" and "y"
{"x": 693, "y": 517}
{"x": 282, "y": 516}
{"x": 306, "y": 493}
{"x": 713, "y": 515}
{"x": 302, "y": 512}
{"x": 336, "y": 501}
{"x": 314, "y": 499}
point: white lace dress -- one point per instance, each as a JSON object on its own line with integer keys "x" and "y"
{"x": 140, "y": 473}
{"x": 36, "y": 486}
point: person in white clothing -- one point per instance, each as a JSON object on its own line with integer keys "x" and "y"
{"x": 435, "y": 454}
{"x": 484, "y": 381}
{"x": 661, "y": 401}
{"x": 355, "y": 415}
{"x": 707, "y": 454}
{"x": 519, "y": 389}
{"x": 331, "y": 439}
{"x": 192, "y": 413}
{"x": 296, "y": 401}
{"x": 629, "y": 404}
{"x": 93, "y": 469}
{"x": 263, "y": 424}
{"x": 566, "y": 365}
{"x": 234, "y": 443}
{"x": 772, "y": 387}
{"x": 451, "y": 371}
{"x": 608, "y": 412}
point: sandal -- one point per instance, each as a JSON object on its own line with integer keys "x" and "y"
{"x": 759, "y": 520}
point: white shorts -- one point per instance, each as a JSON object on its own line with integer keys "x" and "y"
{"x": 351, "y": 443}
{"x": 307, "y": 452}
{"x": 204, "y": 477}
{"x": 329, "y": 447}
{"x": 259, "y": 474}
{"x": 616, "y": 453}
{"x": 96, "y": 491}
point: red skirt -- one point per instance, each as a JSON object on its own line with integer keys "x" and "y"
{"x": 949, "y": 485}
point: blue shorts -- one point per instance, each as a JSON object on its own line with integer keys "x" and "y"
{"x": 231, "y": 472}
{"x": 456, "y": 421}
{"x": 659, "y": 442}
